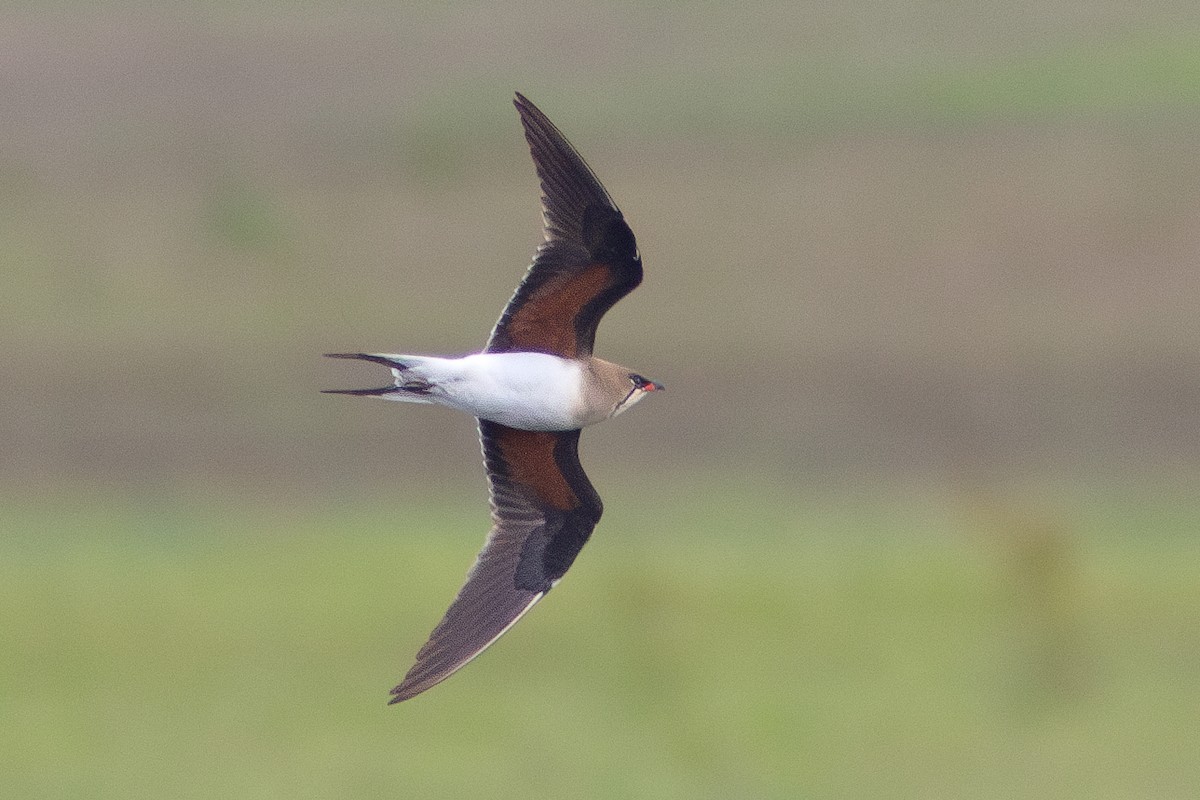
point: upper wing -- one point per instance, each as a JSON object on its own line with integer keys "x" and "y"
{"x": 588, "y": 262}
{"x": 543, "y": 510}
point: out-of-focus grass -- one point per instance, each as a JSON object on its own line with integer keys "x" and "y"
{"x": 736, "y": 644}
{"x": 967, "y": 234}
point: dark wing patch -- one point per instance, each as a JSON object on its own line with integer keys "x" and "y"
{"x": 543, "y": 511}
{"x": 545, "y": 320}
{"x": 526, "y": 459}
{"x": 587, "y": 263}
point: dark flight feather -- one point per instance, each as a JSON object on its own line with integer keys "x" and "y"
{"x": 587, "y": 263}
{"x": 543, "y": 511}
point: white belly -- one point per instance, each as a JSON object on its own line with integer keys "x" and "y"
{"x": 531, "y": 391}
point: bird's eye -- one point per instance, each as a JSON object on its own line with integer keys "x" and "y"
{"x": 638, "y": 380}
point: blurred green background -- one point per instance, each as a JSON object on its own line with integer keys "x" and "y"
{"x": 917, "y": 517}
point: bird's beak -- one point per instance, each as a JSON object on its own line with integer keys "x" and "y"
{"x": 387, "y": 362}
{"x": 654, "y": 386}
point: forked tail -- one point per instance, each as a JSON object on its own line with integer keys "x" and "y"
{"x": 405, "y": 385}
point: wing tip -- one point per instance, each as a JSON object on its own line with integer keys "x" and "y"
{"x": 403, "y": 692}
{"x": 419, "y": 680}
{"x": 523, "y": 105}
{"x": 414, "y": 684}
{"x": 534, "y": 120}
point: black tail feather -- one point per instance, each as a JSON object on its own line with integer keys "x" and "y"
{"x": 384, "y": 360}
{"x": 407, "y": 384}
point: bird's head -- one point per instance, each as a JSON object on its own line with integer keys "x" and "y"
{"x": 638, "y": 387}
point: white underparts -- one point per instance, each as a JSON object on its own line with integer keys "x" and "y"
{"x": 531, "y": 391}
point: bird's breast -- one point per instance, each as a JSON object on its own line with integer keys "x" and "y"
{"x": 530, "y": 391}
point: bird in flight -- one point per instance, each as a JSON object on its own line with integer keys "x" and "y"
{"x": 534, "y": 386}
